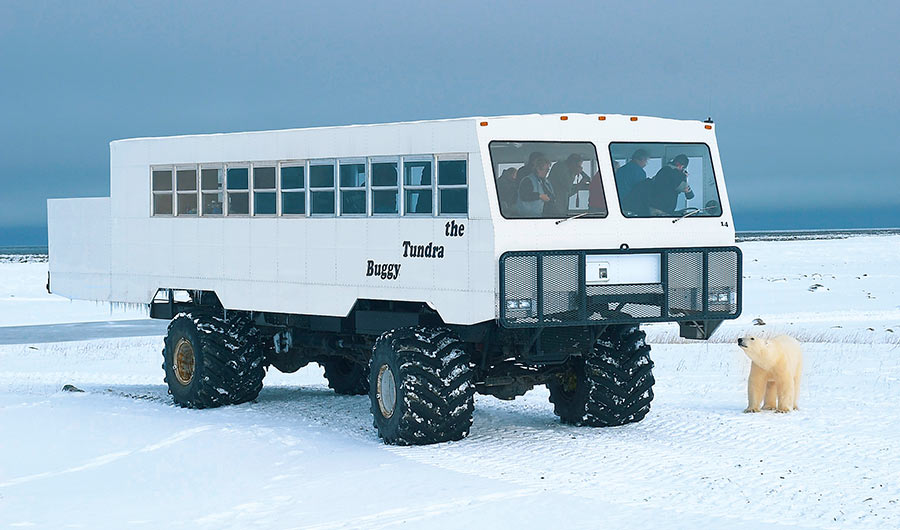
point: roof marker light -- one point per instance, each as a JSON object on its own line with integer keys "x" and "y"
{"x": 483, "y": 124}
{"x": 601, "y": 118}
{"x": 707, "y": 126}
{"x": 634, "y": 118}
{"x": 563, "y": 118}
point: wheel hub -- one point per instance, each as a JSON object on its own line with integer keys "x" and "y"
{"x": 386, "y": 391}
{"x": 183, "y": 362}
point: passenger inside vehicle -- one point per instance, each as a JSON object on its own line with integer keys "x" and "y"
{"x": 547, "y": 179}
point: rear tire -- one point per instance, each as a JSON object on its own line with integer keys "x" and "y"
{"x": 346, "y": 377}
{"x": 612, "y": 386}
{"x": 422, "y": 387}
{"x": 210, "y": 361}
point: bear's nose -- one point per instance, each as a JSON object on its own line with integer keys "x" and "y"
{"x": 741, "y": 341}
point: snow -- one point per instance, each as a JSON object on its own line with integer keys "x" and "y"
{"x": 24, "y": 300}
{"x": 120, "y": 454}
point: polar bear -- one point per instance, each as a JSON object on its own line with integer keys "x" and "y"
{"x": 775, "y": 372}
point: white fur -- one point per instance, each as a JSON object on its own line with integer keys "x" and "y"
{"x": 775, "y": 373}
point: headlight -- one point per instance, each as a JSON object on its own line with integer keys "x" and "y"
{"x": 522, "y": 304}
{"x": 722, "y": 297}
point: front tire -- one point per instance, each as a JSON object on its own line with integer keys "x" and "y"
{"x": 611, "y": 386}
{"x": 421, "y": 386}
{"x": 210, "y": 361}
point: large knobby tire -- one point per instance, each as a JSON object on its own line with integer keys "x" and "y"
{"x": 210, "y": 361}
{"x": 611, "y": 386}
{"x": 346, "y": 377}
{"x": 422, "y": 387}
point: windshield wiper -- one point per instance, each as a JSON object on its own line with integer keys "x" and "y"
{"x": 582, "y": 214}
{"x": 693, "y": 212}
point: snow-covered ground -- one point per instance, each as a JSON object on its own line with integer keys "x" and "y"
{"x": 120, "y": 455}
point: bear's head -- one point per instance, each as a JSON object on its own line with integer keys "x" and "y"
{"x": 754, "y": 347}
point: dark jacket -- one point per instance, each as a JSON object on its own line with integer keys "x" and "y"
{"x": 627, "y": 176}
{"x": 665, "y": 187}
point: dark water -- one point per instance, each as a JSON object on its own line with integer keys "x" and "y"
{"x": 24, "y": 250}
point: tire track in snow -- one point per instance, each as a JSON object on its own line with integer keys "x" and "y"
{"x": 744, "y": 467}
{"x": 110, "y": 457}
{"x": 395, "y": 516}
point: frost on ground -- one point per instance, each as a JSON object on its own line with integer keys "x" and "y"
{"x": 24, "y": 300}
{"x": 120, "y": 454}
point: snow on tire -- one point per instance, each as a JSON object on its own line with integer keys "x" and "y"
{"x": 421, "y": 385}
{"x": 612, "y": 386}
{"x": 210, "y": 361}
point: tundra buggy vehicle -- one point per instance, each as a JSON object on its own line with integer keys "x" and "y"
{"x": 416, "y": 262}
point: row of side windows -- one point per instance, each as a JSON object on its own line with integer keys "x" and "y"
{"x": 425, "y": 185}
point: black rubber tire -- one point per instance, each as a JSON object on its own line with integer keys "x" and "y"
{"x": 228, "y": 365}
{"x": 346, "y": 377}
{"x": 612, "y": 386}
{"x": 435, "y": 386}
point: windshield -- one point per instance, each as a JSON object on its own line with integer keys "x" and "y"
{"x": 547, "y": 180}
{"x": 665, "y": 180}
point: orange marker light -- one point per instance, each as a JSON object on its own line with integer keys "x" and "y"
{"x": 601, "y": 118}
{"x": 634, "y": 118}
{"x": 484, "y": 124}
{"x": 563, "y": 118}
{"x": 707, "y": 126}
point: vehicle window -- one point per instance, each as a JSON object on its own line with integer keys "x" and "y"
{"x": 263, "y": 190}
{"x": 237, "y": 187}
{"x": 321, "y": 188}
{"x": 665, "y": 180}
{"x": 186, "y": 187}
{"x": 161, "y": 183}
{"x": 353, "y": 188}
{"x": 452, "y": 187}
{"x": 417, "y": 186}
{"x": 536, "y": 180}
{"x": 293, "y": 195}
{"x": 212, "y": 190}
{"x": 385, "y": 188}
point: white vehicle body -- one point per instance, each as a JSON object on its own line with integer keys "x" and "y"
{"x": 115, "y": 249}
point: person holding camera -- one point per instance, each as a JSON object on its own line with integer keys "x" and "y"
{"x": 667, "y": 184}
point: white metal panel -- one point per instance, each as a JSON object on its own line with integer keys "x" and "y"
{"x": 79, "y": 244}
{"x": 318, "y": 266}
{"x": 612, "y": 269}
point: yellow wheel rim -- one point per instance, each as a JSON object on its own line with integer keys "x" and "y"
{"x": 183, "y": 362}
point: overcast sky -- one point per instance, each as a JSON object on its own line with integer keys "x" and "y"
{"x": 806, "y": 95}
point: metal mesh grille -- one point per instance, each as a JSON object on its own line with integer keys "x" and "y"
{"x": 611, "y": 302}
{"x": 521, "y": 285}
{"x": 560, "y": 282}
{"x": 549, "y": 289}
{"x": 685, "y": 283}
{"x": 722, "y": 283}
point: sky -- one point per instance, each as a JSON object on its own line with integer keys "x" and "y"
{"x": 805, "y": 95}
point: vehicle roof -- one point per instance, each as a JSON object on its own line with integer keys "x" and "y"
{"x": 511, "y": 117}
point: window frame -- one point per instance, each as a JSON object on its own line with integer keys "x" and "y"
{"x": 431, "y": 186}
{"x": 496, "y": 177}
{"x": 398, "y": 162}
{"x": 303, "y": 189}
{"x": 196, "y": 190}
{"x": 252, "y": 185}
{"x": 171, "y": 192}
{"x": 334, "y": 186}
{"x": 221, "y": 167}
{"x": 227, "y": 206}
{"x": 352, "y": 161}
{"x": 439, "y": 187}
{"x": 711, "y": 165}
